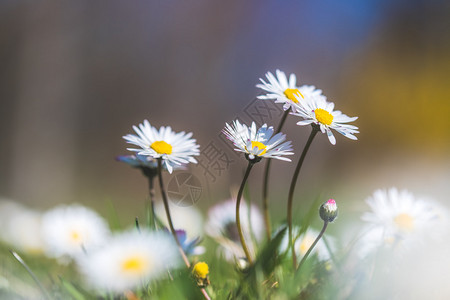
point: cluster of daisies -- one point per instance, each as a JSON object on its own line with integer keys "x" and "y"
{"x": 128, "y": 262}
{"x": 396, "y": 222}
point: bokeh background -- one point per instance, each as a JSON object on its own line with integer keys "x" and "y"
{"x": 76, "y": 75}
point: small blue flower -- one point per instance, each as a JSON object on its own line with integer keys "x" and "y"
{"x": 190, "y": 247}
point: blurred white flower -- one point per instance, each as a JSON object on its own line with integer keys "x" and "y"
{"x": 305, "y": 241}
{"x": 70, "y": 230}
{"x": 129, "y": 260}
{"x": 173, "y": 148}
{"x": 21, "y": 227}
{"x": 282, "y": 90}
{"x": 221, "y": 226}
{"x": 399, "y": 220}
{"x": 317, "y": 110}
{"x": 188, "y": 223}
{"x": 258, "y": 143}
{"x": 187, "y": 218}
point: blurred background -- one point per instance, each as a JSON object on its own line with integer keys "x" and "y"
{"x": 76, "y": 75}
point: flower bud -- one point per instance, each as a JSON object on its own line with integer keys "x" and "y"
{"x": 328, "y": 211}
{"x": 201, "y": 271}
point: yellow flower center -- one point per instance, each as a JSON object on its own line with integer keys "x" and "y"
{"x": 75, "y": 236}
{"x": 135, "y": 264}
{"x": 323, "y": 116}
{"x": 260, "y": 146}
{"x": 404, "y": 221}
{"x": 290, "y": 94}
{"x": 201, "y": 270}
{"x": 161, "y": 147}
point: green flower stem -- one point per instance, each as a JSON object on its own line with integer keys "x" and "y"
{"x": 169, "y": 219}
{"x": 45, "y": 294}
{"x": 265, "y": 193}
{"x": 238, "y": 217}
{"x": 314, "y": 131}
{"x": 151, "y": 208}
{"x": 325, "y": 224}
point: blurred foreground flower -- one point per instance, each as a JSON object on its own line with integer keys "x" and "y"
{"x": 173, "y": 148}
{"x": 318, "y": 111}
{"x": 258, "y": 143}
{"x": 305, "y": 241}
{"x": 283, "y": 90}
{"x": 71, "y": 230}
{"x": 21, "y": 227}
{"x": 398, "y": 219}
{"x": 129, "y": 260}
{"x": 221, "y": 226}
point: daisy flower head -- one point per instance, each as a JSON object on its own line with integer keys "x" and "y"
{"x": 397, "y": 217}
{"x": 284, "y": 90}
{"x": 71, "y": 230}
{"x": 173, "y": 148}
{"x": 258, "y": 143}
{"x": 129, "y": 260}
{"x": 317, "y": 111}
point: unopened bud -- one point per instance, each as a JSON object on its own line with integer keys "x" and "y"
{"x": 201, "y": 271}
{"x": 328, "y": 211}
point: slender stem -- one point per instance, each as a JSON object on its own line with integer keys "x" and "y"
{"x": 238, "y": 217}
{"x": 314, "y": 131}
{"x": 151, "y": 208}
{"x": 22, "y": 262}
{"x": 205, "y": 294}
{"x": 169, "y": 220}
{"x": 265, "y": 194}
{"x": 325, "y": 224}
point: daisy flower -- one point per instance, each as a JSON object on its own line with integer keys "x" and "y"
{"x": 129, "y": 260}
{"x": 71, "y": 230}
{"x": 318, "y": 111}
{"x": 174, "y": 149}
{"x": 221, "y": 226}
{"x": 284, "y": 91}
{"x": 397, "y": 218}
{"x": 258, "y": 143}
